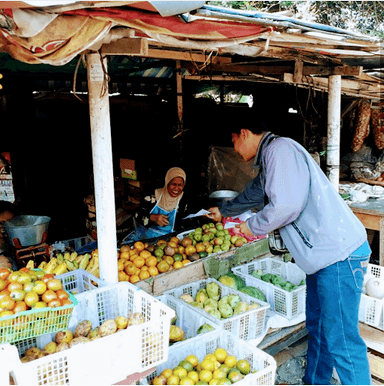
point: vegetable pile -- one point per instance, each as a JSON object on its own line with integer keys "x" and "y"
{"x": 276, "y": 280}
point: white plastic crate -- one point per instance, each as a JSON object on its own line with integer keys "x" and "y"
{"x": 371, "y": 310}
{"x": 208, "y": 343}
{"x": 106, "y": 360}
{"x": 248, "y": 325}
{"x": 79, "y": 281}
{"x": 188, "y": 320}
{"x": 284, "y": 303}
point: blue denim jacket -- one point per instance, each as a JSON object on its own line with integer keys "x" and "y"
{"x": 315, "y": 223}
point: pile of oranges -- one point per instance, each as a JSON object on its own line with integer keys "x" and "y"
{"x": 27, "y": 289}
{"x": 142, "y": 260}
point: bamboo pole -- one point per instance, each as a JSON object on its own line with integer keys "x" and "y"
{"x": 102, "y": 166}
{"x": 333, "y": 128}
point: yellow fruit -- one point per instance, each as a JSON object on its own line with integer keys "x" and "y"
{"x": 243, "y": 366}
{"x": 159, "y": 380}
{"x": 205, "y": 375}
{"x": 218, "y": 373}
{"x": 122, "y": 276}
{"x": 139, "y": 246}
{"x": 125, "y": 248}
{"x": 173, "y": 380}
{"x": 186, "y": 381}
{"x": 181, "y": 249}
{"x": 230, "y": 361}
{"x": 163, "y": 266}
{"x": 153, "y": 271}
{"x": 220, "y": 355}
{"x": 180, "y": 372}
{"x": 169, "y": 260}
{"x": 144, "y": 268}
{"x": 207, "y": 364}
{"x": 133, "y": 256}
{"x": 151, "y": 261}
{"x": 190, "y": 250}
{"x": 130, "y": 269}
{"x": 211, "y": 357}
{"x": 120, "y": 264}
{"x": 185, "y": 262}
{"x": 134, "y": 279}
{"x": 187, "y": 365}
{"x": 193, "y": 360}
{"x": 139, "y": 262}
{"x": 214, "y": 381}
{"x": 178, "y": 264}
{"x": 124, "y": 255}
{"x": 166, "y": 373}
{"x": 145, "y": 254}
{"x": 174, "y": 239}
{"x": 144, "y": 275}
{"x": 194, "y": 376}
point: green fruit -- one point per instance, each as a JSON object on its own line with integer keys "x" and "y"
{"x": 159, "y": 252}
{"x": 177, "y": 257}
{"x": 198, "y": 237}
{"x": 203, "y": 254}
{"x": 186, "y": 365}
{"x": 219, "y": 226}
{"x": 198, "y": 230}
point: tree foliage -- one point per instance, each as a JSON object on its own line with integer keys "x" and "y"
{"x": 366, "y": 17}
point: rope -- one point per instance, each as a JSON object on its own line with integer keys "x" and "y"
{"x": 81, "y": 59}
{"x": 107, "y": 78}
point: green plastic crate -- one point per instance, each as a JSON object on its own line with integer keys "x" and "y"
{"x": 32, "y": 323}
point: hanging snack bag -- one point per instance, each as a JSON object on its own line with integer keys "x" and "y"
{"x": 363, "y": 116}
{"x": 377, "y": 124}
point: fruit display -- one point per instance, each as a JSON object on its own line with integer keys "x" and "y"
{"x": 210, "y": 300}
{"x": 83, "y": 333}
{"x": 276, "y": 280}
{"x": 27, "y": 289}
{"x": 217, "y": 368}
{"x": 142, "y": 260}
{"x": 69, "y": 261}
{"x": 211, "y": 238}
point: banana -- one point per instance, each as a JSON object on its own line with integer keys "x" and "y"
{"x": 60, "y": 269}
{"x": 84, "y": 261}
{"x": 70, "y": 266}
{"x": 79, "y": 258}
{"x": 42, "y": 265}
{"x": 30, "y": 264}
{"x": 60, "y": 258}
{"x": 72, "y": 256}
{"x": 75, "y": 264}
{"x": 67, "y": 256}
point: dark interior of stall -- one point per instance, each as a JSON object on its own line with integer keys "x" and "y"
{"x": 47, "y": 132}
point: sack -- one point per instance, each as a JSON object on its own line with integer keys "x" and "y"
{"x": 276, "y": 243}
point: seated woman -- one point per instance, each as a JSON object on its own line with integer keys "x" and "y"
{"x": 171, "y": 206}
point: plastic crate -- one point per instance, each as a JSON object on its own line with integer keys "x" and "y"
{"x": 79, "y": 281}
{"x": 248, "y": 325}
{"x": 188, "y": 320}
{"x": 35, "y": 322}
{"x": 73, "y": 244}
{"x": 208, "y": 343}
{"x": 284, "y": 303}
{"x": 371, "y": 310}
{"x": 107, "y": 360}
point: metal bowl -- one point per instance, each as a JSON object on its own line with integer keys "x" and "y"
{"x": 223, "y": 195}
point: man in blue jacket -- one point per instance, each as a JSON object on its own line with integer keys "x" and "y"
{"x": 323, "y": 235}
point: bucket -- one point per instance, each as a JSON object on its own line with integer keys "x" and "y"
{"x": 29, "y": 230}
{"x": 223, "y": 195}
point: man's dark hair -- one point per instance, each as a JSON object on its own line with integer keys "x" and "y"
{"x": 247, "y": 119}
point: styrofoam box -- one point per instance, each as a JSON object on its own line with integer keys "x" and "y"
{"x": 79, "y": 280}
{"x": 106, "y": 360}
{"x": 188, "y": 320}
{"x": 371, "y": 310}
{"x": 74, "y": 244}
{"x": 284, "y": 303}
{"x": 248, "y": 325}
{"x": 208, "y": 343}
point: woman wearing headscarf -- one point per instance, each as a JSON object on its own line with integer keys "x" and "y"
{"x": 171, "y": 205}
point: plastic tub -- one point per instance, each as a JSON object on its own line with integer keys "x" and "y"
{"x": 29, "y": 230}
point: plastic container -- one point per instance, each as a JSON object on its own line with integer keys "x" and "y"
{"x": 284, "y": 303}
{"x": 208, "y": 343}
{"x": 107, "y": 360}
{"x": 248, "y": 325}
{"x": 29, "y": 230}
{"x": 35, "y": 322}
{"x": 188, "y": 320}
{"x": 73, "y": 244}
{"x": 79, "y": 281}
{"x": 371, "y": 310}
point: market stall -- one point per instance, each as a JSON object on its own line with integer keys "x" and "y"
{"x": 112, "y": 276}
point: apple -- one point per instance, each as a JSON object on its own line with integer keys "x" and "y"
{"x": 218, "y": 241}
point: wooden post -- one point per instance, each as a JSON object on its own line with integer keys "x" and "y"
{"x": 333, "y": 147}
{"x": 102, "y": 167}
{"x": 179, "y": 93}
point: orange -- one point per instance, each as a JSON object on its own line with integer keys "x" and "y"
{"x": 144, "y": 268}
{"x": 130, "y": 269}
{"x": 153, "y": 271}
{"x": 144, "y": 275}
{"x": 127, "y": 262}
{"x": 120, "y": 264}
{"x": 139, "y": 246}
{"x": 163, "y": 266}
{"x": 177, "y": 264}
{"x": 20, "y": 307}
{"x": 172, "y": 244}
{"x": 125, "y": 248}
{"x": 4, "y": 273}
{"x": 7, "y": 303}
{"x": 151, "y": 261}
{"x": 3, "y": 284}
{"x": 133, "y": 252}
{"x": 133, "y": 257}
{"x": 122, "y": 276}
{"x": 134, "y": 279}
{"x": 181, "y": 249}
{"x": 139, "y": 262}
{"x": 47, "y": 296}
{"x": 124, "y": 255}
{"x": 169, "y": 260}
{"x": 145, "y": 254}
{"x": 186, "y": 261}
{"x": 175, "y": 240}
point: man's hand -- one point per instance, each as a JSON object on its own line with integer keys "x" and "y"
{"x": 215, "y": 214}
{"x": 244, "y": 229}
{"x": 159, "y": 219}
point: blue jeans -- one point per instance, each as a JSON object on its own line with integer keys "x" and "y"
{"x": 332, "y": 309}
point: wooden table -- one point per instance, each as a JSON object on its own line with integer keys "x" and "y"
{"x": 371, "y": 214}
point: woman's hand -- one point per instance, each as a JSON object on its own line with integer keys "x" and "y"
{"x": 160, "y": 219}
{"x": 244, "y": 229}
{"x": 215, "y": 214}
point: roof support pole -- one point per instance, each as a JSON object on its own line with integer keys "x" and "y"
{"x": 102, "y": 166}
{"x": 333, "y": 126}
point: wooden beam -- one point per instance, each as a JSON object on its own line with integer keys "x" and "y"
{"x": 298, "y": 72}
{"x": 126, "y": 46}
{"x": 185, "y": 55}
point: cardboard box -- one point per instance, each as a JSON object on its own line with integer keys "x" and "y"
{"x": 128, "y": 173}
{"x": 128, "y": 170}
